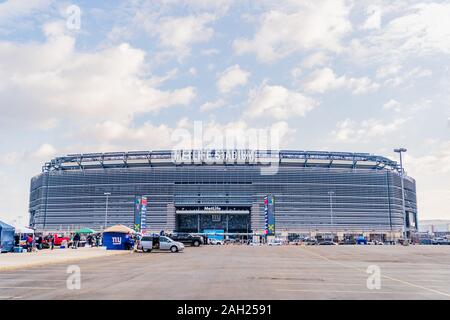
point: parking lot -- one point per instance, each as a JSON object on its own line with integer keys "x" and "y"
{"x": 244, "y": 272}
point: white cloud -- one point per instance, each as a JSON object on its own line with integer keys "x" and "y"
{"x": 392, "y": 105}
{"x": 45, "y": 151}
{"x": 437, "y": 160}
{"x": 313, "y": 25}
{"x": 23, "y": 156}
{"x": 193, "y": 71}
{"x": 278, "y": 102}
{"x": 66, "y": 83}
{"x": 112, "y": 136}
{"x": 409, "y": 76}
{"x": 350, "y": 131}
{"x": 212, "y": 105}
{"x": 421, "y": 29}
{"x": 180, "y": 33}
{"x": 232, "y": 77}
{"x": 210, "y": 52}
{"x": 315, "y": 60}
{"x": 374, "y": 18}
{"x": 388, "y": 70}
{"x": 11, "y": 9}
{"x": 323, "y": 80}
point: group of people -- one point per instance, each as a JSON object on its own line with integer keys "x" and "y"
{"x": 34, "y": 242}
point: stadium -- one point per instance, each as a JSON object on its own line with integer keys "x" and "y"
{"x": 311, "y": 193}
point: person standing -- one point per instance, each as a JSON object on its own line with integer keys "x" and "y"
{"x": 39, "y": 242}
{"x": 51, "y": 241}
{"x": 76, "y": 240}
{"x": 29, "y": 243}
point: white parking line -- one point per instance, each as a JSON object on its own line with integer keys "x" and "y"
{"x": 384, "y": 276}
{"x": 334, "y": 284}
{"x": 30, "y": 288}
{"x": 25, "y": 280}
{"x": 351, "y": 291}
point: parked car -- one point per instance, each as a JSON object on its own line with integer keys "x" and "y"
{"x": 440, "y": 241}
{"x": 348, "y": 242}
{"x": 187, "y": 238}
{"x": 327, "y": 243}
{"x": 229, "y": 241}
{"x": 426, "y": 241}
{"x": 215, "y": 241}
{"x": 310, "y": 242}
{"x": 275, "y": 243}
{"x": 152, "y": 242}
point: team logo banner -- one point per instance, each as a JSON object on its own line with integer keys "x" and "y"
{"x": 269, "y": 215}
{"x": 140, "y": 213}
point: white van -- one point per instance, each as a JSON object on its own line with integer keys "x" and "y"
{"x": 148, "y": 243}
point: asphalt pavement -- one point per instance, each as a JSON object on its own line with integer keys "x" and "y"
{"x": 243, "y": 272}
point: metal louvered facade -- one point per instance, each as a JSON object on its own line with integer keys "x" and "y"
{"x": 310, "y": 196}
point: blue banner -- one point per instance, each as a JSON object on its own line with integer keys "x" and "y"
{"x": 140, "y": 213}
{"x": 269, "y": 215}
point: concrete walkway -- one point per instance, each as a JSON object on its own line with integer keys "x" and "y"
{"x": 12, "y": 261}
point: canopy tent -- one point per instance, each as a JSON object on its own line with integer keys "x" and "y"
{"x": 23, "y": 230}
{"x": 119, "y": 229}
{"x": 85, "y": 231}
{"x": 6, "y": 237}
{"x": 117, "y": 237}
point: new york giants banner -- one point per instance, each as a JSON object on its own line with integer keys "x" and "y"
{"x": 269, "y": 215}
{"x": 140, "y": 213}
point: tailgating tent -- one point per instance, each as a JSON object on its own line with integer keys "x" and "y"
{"x": 6, "y": 237}
{"x": 117, "y": 237}
{"x": 23, "y": 230}
{"x": 119, "y": 228}
{"x": 85, "y": 231}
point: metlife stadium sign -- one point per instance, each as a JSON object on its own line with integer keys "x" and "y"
{"x": 214, "y": 156}
{"x": 225, "y": 156}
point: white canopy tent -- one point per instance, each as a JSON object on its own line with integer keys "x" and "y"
{"x": 23, "y": 230}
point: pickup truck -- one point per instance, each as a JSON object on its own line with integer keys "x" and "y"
{"x": 187, "y": 238}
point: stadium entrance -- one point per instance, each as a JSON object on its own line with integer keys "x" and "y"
{"x": 198, "y": 219}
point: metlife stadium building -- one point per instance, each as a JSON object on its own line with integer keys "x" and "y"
{"x": 202, "y": 190}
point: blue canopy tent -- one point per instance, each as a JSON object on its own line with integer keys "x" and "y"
{"x": 6, "y": 237}
{"x": 118, "y": 237}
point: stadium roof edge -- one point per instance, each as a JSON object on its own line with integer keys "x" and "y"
{"x": 132, "y": 158}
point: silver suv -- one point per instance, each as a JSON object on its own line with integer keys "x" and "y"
{"x": 148, "y": 243}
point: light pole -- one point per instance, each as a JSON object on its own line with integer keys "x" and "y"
{"x": 107, "y": 194}
{"x": 331, "y": 193}
{"x": 402, "y": 171}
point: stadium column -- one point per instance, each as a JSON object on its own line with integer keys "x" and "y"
{"x": 402, "y": 174}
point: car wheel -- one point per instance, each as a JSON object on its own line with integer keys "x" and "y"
{"x": 174, "y": 249}
{"x": 196, "y": 244}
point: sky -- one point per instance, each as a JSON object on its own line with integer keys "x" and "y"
{"x": 336, "y": 75}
